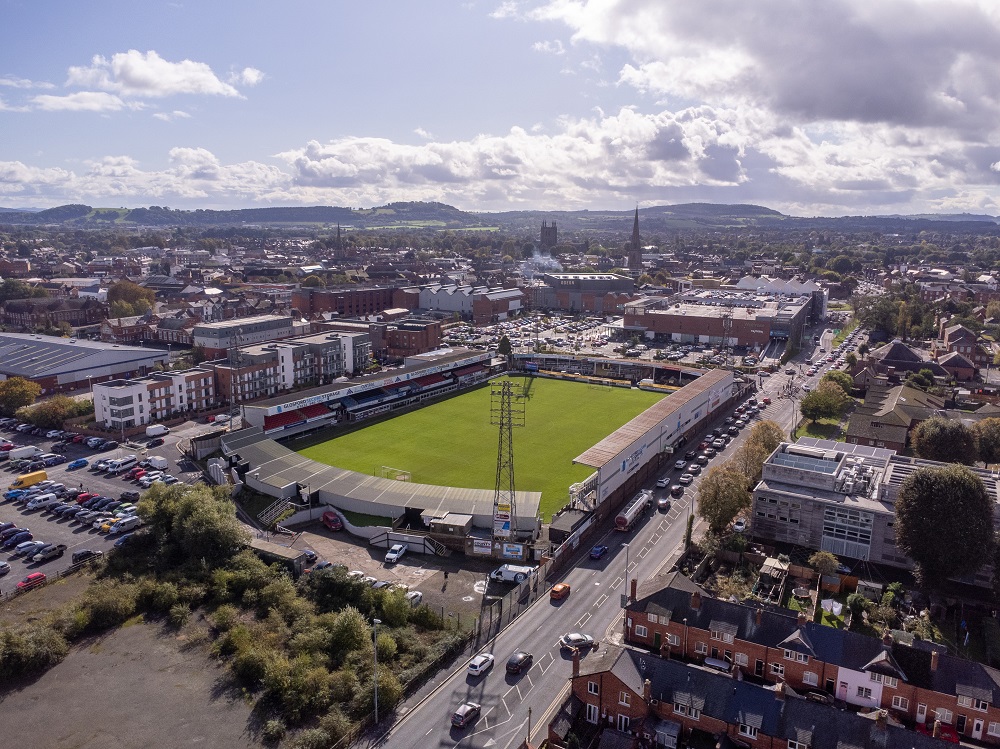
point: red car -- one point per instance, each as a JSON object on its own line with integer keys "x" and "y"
{"x": 32, "y": 581}
{"x": 79, "y": 437}
{"x": 6, "y": 447}
{"x": 139, "y": 474}
{"x": 132, "y": 474}
{"x": 81, "y": 498}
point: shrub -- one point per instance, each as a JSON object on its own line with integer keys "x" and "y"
{"x": 250, "y": 666}
{"x": 311, "y": 738}
{"x": 109, "y": 603}
{"x": 273, "y": 731}
{"x": 30, "y": 649}
{"x": 225, "y": 617}
{"x": 386, "y": 646}
{"x": 179, "y": 615}
{"x": 336, "y": 724}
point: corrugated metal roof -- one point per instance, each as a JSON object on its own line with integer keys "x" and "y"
{"x": 27, "y": 355}
{"x": 608, "y": 448}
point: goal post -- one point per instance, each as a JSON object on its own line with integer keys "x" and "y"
{"x": 396, "y": 474}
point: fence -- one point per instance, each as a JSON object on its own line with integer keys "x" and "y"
{"x": 49, "y": 578}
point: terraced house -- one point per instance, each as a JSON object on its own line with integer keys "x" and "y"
{"x": 916, "y": 684}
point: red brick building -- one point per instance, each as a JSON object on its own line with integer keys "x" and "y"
{"x": 347, "y": 302}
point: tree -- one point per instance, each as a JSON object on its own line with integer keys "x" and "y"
{"x": 503, "y": 347}
{"x": 841, "y": 379}
{"x": 313, "y": 281}
{"x": 944, "y": 522}
{"x": 877, "y": 313}
{"x": 749, "y": 459}
{"x": 17, "y": 392}
{"x": 826, "y": 401}
{"x": 945, "y": 440}
{"x": 863, "y": 349}
{"x": 767, "y": 434}
{"x": 135, "y": 297}
{"x": 988, "y": 437}
{"x": 721, "y": 496}
{"x": 824, "y": 563}
{"x": 851, "y": 359}
{"x": 993, "y": 310}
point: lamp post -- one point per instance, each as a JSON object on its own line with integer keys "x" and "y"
{"x": 625, "y": 594}
{"x": 375, "y": 623}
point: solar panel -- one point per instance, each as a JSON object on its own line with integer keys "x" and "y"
{"x": 803, "y": 463}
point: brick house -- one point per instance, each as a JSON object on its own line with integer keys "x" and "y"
{"x": 958, "y": 339}
{"x": 916, "y": 684}
{"x": 638, "y": 700}
{"x": 29, "y": 314}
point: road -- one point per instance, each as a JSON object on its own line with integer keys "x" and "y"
{"x": 593, "y": 607}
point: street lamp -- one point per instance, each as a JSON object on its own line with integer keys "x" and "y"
{"x": 625, "y": 595}
{"x": 375, "y": 623}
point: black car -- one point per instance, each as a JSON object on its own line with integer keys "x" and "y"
{"x": 84, "y": 554}
{"x": 690, "y": 455}
{"x": 35, "y": 465}
{"x": 519, "y": 662}
{"x": 155, "y": 442}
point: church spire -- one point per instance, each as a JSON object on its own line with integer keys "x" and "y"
{"x": 635, "y": 230}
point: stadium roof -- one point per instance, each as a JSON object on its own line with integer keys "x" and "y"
{"x": 611, "y": 446}
{"x": 277, "y": 466}
{"x": 34, "y": 356}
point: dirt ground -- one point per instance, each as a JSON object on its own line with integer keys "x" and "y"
{"x": 140, "y": 686}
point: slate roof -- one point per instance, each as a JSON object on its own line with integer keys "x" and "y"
{"x": 783, "y": 715}
{"x": 955, "y": 359}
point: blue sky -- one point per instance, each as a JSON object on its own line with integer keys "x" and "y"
{"x": 844, "y": 107}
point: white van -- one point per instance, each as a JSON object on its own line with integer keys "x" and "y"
{"x": 42, "y": 500}
{"x": 126, "y": 524}
{"x": 121, "y": 465}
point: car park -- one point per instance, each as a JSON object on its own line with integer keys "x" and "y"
{"x": 481, "y": 664}
{"x": 78, "y": 463}
{"x": 4, "y": 568}
{"x": 28, "y": 548}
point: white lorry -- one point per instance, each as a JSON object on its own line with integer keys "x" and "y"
{"x": 28, "y": 451}
{"x": 156, "y": 462}
{"x": 512, "y": 573}
{"x": 156, "y": 430}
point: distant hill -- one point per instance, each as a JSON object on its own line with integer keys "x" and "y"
{"x": 417, "y": 215}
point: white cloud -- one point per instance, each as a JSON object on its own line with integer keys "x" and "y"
{"x": 12, "y": 82}
{"x": 247, "y": 77}
{"x": 177, "y": 114}
{"x": 423, "y": 133}
{"x": 550, "y": 47}
{"x": 138, "y": 74}
{"x": 82, "y": 101}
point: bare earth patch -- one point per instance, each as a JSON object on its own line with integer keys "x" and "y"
{"x": 139, "y": 686}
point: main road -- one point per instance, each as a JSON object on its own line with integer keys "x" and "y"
{"x": 593, "y": 607}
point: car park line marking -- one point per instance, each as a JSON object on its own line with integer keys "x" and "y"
{"x": 583, "y": 619}
{"x": 643, "y": 552}
{"x": 618, "y": 581}
{"x": 600, "y": 601}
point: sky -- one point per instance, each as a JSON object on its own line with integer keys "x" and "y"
{"x": 841, "y": 107}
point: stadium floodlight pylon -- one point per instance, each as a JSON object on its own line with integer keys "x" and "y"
{"x": 506, "y": 412}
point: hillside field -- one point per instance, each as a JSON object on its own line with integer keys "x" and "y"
{"x": 452, "y": 443}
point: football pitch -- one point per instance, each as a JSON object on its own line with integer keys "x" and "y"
{"x": 452, "y": 443}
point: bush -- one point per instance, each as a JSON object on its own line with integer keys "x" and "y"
{"x": 312, "y": 738}
{"x": 30, "y": 649}
{"x": 109, "y": 603}
{"x": 273, "y": 731}
{"x": 225, "y": 617}
{"x": 250, "y": 666}
{"x": 179, "y": 615}
{"x": 336, "y": 724}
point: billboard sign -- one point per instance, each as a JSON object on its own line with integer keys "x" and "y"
{"x": 482, "y": 547}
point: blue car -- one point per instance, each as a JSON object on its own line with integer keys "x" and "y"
{"x": 78, "y": 463}
{"x": 14, "y": 493}
{"x": 123, "y": 540}
{"x": 598, "y": 551}
{"x": 18, "y": 538}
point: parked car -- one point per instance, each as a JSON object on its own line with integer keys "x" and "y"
{"x": 83, "y": 555}
{"x": 53, "y": 434}
{"x": 49, "y": 552}
{"x": 662, "y": 483}
{"x": 685, "y": 479}
{"x": 4, "y": 568}
{"x": 393, "y": 555}
{"x": 18, "y": 538}
{"x": 32, "y": 581}
{"x": 155, "y": 442}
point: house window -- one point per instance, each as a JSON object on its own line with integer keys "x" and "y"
{"x": 864, "y": 693}
{"x": 651, "y": 618}
{"x": 993, "y": 729}
{"x": 777, "y": 669}
{"x": 801, "y": 658}
{"x": 810, "y": 678}
{"x": 592, "y": 713}
{"x": 741, "y": 659}
{"x": 797, "y": 745}
{"x": 749, "y": 731}
{"x": 673, "y": 640}
{"x": 943, "y": 715}
{"x": 900, "y": 703}
{"x": 624, "y": 698}
{"x": 724, "y": 636}
{"x": 980, "y": 705}
{"x": 623, "y": 721}
{"x": 964, "y": 701}
{"x": 640, "y": 631}
{"x": 592, "y": 688}
{"x": 680, "y": 709}
{"x": 889, "y": 681}
{"x": 700, "y": 648}
{"x": 789, "y": 655}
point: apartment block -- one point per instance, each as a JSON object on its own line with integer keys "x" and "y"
{"x": 123, "y": 404}
{"x": 219, "y": 337}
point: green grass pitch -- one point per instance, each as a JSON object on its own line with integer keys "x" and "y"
{"x": 452, "y": 443}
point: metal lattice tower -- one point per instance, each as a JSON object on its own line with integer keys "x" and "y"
{"x": 727, "y": 333}
{"x": 506, "y": 412}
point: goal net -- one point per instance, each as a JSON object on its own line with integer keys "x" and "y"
{"x": 396, "y": 474}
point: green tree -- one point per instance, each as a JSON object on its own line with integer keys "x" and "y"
{"x": 945, "y": 440}
{"x": 993, "y": 310}
{"x": 851, "y": 359}
{"x": 988, "y": 437}
{"x": 198, "y": 354}
{"x": 877, "y": 313}
{"x": 721, "y": 496}
{"x": 824, "y": 562}
{"x": 841, "y": 379}
{"x": 503, "y": 347}
{"x": 51, "y": 412}
{"x": 17, "y": 392}
{"x": 313, "y": 281}
{"x": 863, "y": 349}
{"x": 749, "y": 459}
{"x": 826, "y": 401}
{"x": 138, "y": 298}
{"x": 944, "y": 522}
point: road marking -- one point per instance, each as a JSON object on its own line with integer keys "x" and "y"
{"x": 654, "y": 538}
{"x": 618, "y": 581}
{"x": 643, "y": 552}
{"x": 583, "y": 619}
{"x": 600, "y": 600}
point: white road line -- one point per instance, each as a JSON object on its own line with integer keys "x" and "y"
{"x": 583, "y": 619}
{"x": 618, "y": 581}
{"x": 643, "y": 552}
{"x": 600, "y": 600}
{"x": 654, "y": 538}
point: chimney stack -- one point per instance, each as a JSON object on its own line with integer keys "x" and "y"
{"x": 646, "y": 690}
{"x": 802, "y": 619}
{"x": 935, "y": 656}
{"x": 759, "y": 616}
{"x": 634, "y": 586}
{"x": 576, "y": 662}
{"x": 696, "y": 600}
{"x": 887, "y": 639}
